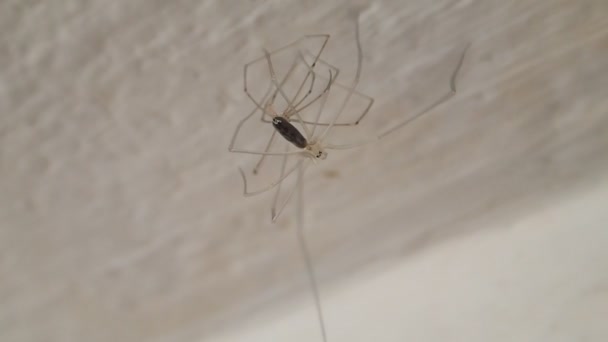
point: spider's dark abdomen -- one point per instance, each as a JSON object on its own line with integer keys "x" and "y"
{"x": 289, "y": 132}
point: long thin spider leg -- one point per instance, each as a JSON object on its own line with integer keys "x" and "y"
{"x": 276, "y": 213}
{"x": 246, "y": 67}
{"x": 238, "y": 128}
{"x": 295, "y": 105}
{"x": 287, "y": 114}
{"x": 409, "y": 120}
{"x": 263, "y": 157}
{"x": 306, "y": 252}
{"x": 267, "y": 153}
{"x": 329, "y": 84}
{"x": 248, "y": 193}
{"x": 293, "y": 102}
{"x": 342, "y": 124}
{"x": 278, "y": 190}
{"x": 310, "y": 72}
{"x": 325, "y": 40}
{"x": 259, "y": 105}
{"x": 441, "y": 100}
{"x": 370, "y": 101}
{"x": 242, "y": 121}
{"x": 273, "y": 78}
{"x": 296, "y": 42}
{"x": 312, "y": 83}
{"x": 287, "y": 76}
{"x": 352, "y": 87}
{"x": 322, "y": 105}
{"x": 351, "y": 145}
{"x": 296, "y": 112}
{"x": 457, "y": 70}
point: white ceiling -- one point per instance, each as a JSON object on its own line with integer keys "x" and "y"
{"x": 121, "y": 215}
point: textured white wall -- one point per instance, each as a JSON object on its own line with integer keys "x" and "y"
{"x": 542, "y": 278}
{"x": 121, "y": 216}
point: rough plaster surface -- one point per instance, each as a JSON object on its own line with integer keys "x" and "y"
{"x": 538, "y": 280}
{"x": 120, "y": 210}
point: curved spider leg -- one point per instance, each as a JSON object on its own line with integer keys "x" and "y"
{"x": 322, "y": 105}
{"x": 248, "y": 193}
{"x": 273, "y": 78}
{"x": 277, "y": 208}
{"x": 242, "y": 122}
{"x": 278, "y": 190}
{"x": 258, "y": 165}
{"x": 306, "y": 253}
{"x": 310, "y": 72}
{"x": 352, "y": 87}
{"x": 370, "y": 101}
{"x": 441, "y": 100}
{"x": 331, "y": 81}
{"x": 297, "y": 107}
{"x": 419, "y": 114}
{"x": 316, "y": 58}
{"x": 269, "y": 143}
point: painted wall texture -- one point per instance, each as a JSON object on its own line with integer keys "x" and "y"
{"x": 121, "y": 213}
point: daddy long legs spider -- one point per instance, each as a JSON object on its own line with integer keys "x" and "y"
{"x": 309, "y": 147}
{"x": 293, "y": 107}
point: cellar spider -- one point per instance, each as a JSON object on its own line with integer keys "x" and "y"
{"x": 294, "y": 106}
{"x": 310, "y": 147}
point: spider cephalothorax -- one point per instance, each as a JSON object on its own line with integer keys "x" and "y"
{"x": 316, "y": 151}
